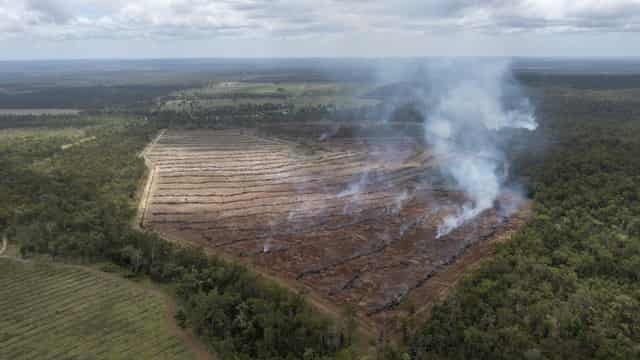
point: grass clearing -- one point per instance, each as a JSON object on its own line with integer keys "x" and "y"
{"x": 24, "y": 134}
{"x": 52, "y": 311}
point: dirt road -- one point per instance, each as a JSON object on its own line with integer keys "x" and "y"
{"x": 144, "y": 197}
{"x": 3, "y": 247}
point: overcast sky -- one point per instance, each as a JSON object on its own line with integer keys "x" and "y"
{"x": 46, "y": 29}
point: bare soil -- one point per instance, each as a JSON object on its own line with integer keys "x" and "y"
{"x": 349, "y": 219}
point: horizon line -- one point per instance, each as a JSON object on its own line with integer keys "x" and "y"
{"x": 388, "y": 57}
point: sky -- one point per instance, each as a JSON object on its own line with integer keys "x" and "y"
{"x": 85, "y": 29}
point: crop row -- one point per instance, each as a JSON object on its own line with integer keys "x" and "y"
{"x": 60, "y": 312}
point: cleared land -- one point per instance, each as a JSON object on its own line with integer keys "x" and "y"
{"x": 62, "y": 312}
{"x": 352, "y": 218}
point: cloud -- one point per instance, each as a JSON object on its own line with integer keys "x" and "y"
{"x": 49, "y": 10}
{"x": 20, "y": 17}
{"x": 514, "y": 16}
{"x": 188, "y": 19}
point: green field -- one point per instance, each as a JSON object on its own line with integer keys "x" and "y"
{"x": 28, "y": 134}
{"x": 220, "y": 94}
{"x": 62, "y": 312}
{"x": 39, "y": 112}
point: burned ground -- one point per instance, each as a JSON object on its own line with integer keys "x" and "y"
{"x": 352, "y": 217}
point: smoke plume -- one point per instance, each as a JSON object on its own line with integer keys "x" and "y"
{"x": 467, "y": 106}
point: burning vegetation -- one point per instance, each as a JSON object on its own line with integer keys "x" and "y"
{"x": 362, "y": 213}
{"x": 357, "y": 219}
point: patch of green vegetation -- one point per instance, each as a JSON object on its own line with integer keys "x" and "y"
{"x": 17, "y": 135}
{"x": 27, "y": 112}
{"x": 35, "y": 123}
{"x": 112, "y": 98}
{"x": 50, "y": 311}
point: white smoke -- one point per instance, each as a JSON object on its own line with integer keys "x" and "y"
{"x": 355, "y": 189}
{"x": 329, "y": 134}
{"x": 466, "y": 110}
{"x": 399, "y": 201}
{"x": 266, "y": 247}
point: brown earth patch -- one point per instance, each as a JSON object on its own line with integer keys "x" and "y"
{"x": 350, "y": 220}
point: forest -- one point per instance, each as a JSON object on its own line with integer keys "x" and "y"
{"x": 566, "y": 286}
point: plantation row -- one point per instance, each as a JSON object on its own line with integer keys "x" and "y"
{"x": 60, "y": 312}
